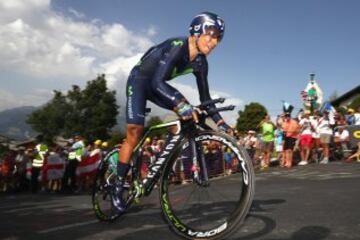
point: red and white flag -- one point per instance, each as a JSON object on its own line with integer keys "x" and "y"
{"x": 88, "y": 165}
{"x": 54, "y": 167}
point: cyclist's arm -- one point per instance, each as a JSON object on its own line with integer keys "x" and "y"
{"x": 169, "y": 95}
{"x": 203, "y": 87}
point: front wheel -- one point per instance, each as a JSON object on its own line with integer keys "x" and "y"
{"x": 103, "y": 185}
{"x": 213, "y": 210}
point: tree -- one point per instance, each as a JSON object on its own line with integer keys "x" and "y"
{"x": 155, "y": 120}
{"x": 251, "y": 116}
{"x": 50, "y": 120}
{"x": 116, "y": 137}
{"x": 90, "y": 112}
{"x": 355, "y": 103}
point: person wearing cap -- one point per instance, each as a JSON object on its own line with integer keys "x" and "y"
{"x": 349, "y": 117}
{"x": 306, "y": 139}
{"x": 98, "y": 143}
{"x": 291, "y": 130}
{"x": 96, "y": 148}
{"x": 74, "y": 158}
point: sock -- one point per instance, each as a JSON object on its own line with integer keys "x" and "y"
{"x": 122, "y": 169}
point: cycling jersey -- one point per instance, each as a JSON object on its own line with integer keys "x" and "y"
{"x": 161, "y": 63}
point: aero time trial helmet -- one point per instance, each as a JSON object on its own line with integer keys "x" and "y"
{"x": 208, "y": 23}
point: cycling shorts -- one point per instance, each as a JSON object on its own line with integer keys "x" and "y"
{"x": 138, "y": 91}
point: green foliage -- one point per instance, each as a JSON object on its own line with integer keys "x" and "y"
{"x": 251, "y": 116}
{"x": 341, "y": 110}
{"x": 50, "y": 120}
{"x": 355, "y": 103}
{"x": 155, "y": 120}
{"x": 90, "y": 112}
{"x": 116, "y": 137}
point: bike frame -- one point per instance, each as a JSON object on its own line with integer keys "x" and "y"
{"x": 154, "y": 174}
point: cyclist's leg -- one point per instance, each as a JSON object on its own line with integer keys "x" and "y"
{"x": 152, "y": 97}
{"x": 135, "y": 117}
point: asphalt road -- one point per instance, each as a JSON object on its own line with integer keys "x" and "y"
{"x": 311, "y": 202}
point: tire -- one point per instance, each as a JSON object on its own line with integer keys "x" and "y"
{"x": 101, "y": 193}
{"x": 213, "y": 212}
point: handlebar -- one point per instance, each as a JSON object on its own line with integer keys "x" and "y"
{"x": 211, "y": 102}
{"x": 221, "y": 109}
{"x": 211, "y": 111}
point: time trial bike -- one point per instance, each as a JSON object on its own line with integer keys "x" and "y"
{"x": 211, "y": 205}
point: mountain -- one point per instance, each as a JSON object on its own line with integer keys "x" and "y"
{"x": 13, "y": 123}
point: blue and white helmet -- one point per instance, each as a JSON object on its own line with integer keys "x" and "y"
{"x": 205, "y": 21}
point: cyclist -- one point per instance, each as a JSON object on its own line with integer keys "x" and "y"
{"x": 148, "y": 81}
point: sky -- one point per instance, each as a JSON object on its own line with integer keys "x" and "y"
{"x": 268, "y": 50}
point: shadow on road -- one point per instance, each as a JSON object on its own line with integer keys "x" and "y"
{"x": 306, "y": 233}
{"x": 35, "y": 215}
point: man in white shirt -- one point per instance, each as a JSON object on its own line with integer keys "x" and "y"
{"x": 325, "y": 135}
{"x": 342, "y": 139}
{"x": 357, "y": 116}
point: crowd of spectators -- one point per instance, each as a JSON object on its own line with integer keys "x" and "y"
{"x": 308, "y": 137}
{"x": 50, "y": 169}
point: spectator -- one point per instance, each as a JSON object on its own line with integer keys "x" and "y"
{"x": 7, "y": 170}
{"x": 74, "y": 158}
{"x": 96, "y": 148}
{"x": 267, "y": 134}
{"x": 316, "y": 136}
{"x": 279, "y": 142}
{"x": 306, "y": 131}
{"x": 290, "y": 128}
{"x": 105, "y": 148}
{"x": 250, "y": 144}
{"x": 350, "y": 118}
{"x": 39, "y": 154}
{"x": 326, "y": 133}
{"x": 21, "y": 161}
{"x": 340, "y": 119}
{"x": 178, "y": 169}
{"x": 357, "y": 116}
{"x": 355, "y": 155}
{"x": 56, "y": 168}
{"x": 342, "y": 140}
{"x": 227, "y": 160}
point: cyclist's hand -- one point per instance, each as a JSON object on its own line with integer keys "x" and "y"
{"x": 186, "y": 111}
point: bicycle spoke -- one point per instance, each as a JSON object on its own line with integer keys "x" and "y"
{"x": 206, "y": 209}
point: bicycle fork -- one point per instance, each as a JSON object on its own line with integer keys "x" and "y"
{"x": 199, "y": 167}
